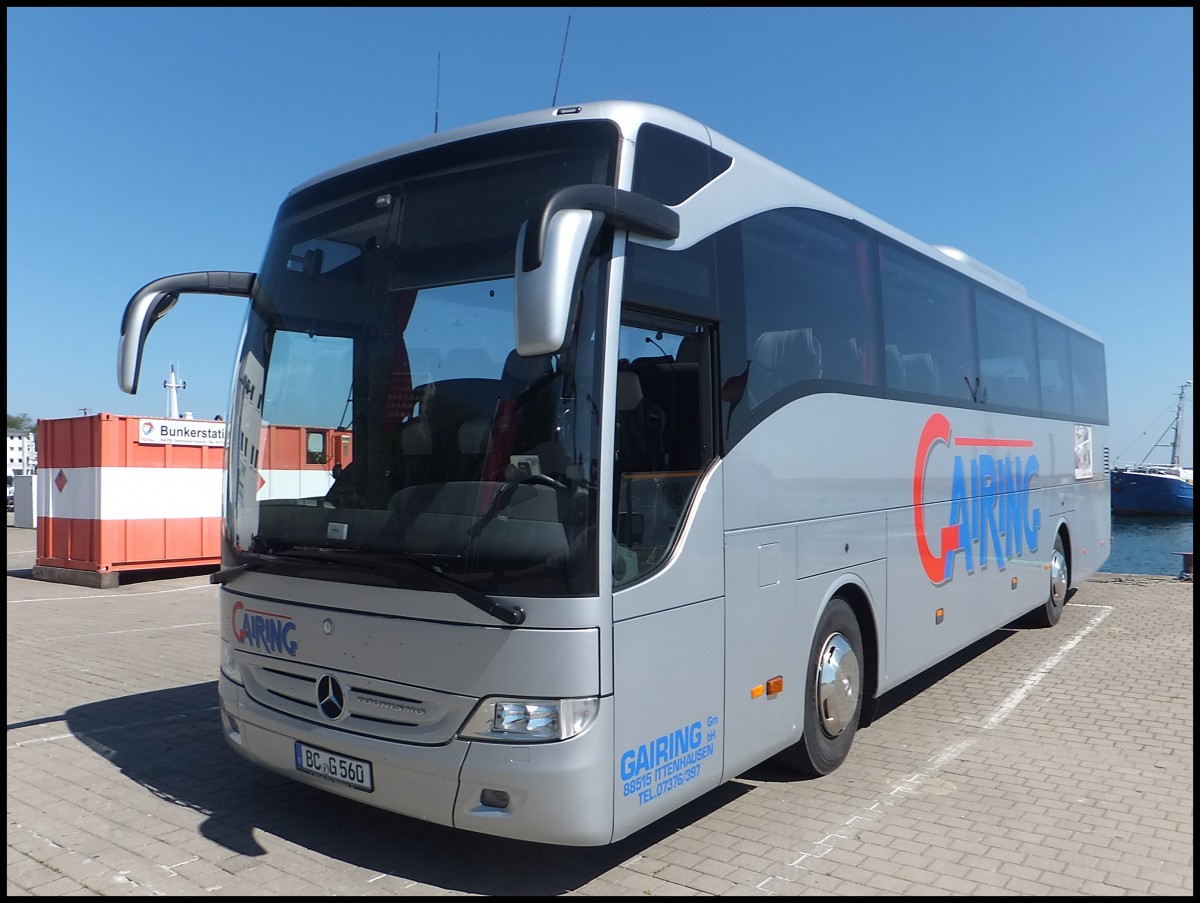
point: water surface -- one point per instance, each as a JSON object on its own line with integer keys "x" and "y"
{"x": 1146, "y": 545}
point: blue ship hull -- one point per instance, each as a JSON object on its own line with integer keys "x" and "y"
{"x": 1137, "y": 491}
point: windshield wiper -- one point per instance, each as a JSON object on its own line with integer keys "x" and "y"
{"x": 284, "y": 559}
{"x": 224, "y": 575}
{"x": 374, "y": 561}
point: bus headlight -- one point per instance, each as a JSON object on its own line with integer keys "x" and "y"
{"x": 530, "y": 720}
{"x": 229, "y": 665}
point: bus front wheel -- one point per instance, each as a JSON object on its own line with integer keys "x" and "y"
{"x": 832, "y": 693}
{"x": 1049, "y": 612}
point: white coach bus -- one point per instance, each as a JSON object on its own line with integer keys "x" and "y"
{"x": 664, "y": 461}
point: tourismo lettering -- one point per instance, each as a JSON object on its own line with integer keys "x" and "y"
{"x": 262, "y": 630}
{"x": 993, "y": 502}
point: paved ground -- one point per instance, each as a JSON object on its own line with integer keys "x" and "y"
{"x": 1038, "y": 763}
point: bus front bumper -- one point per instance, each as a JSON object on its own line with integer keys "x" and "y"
{"x": 557, "y": 793}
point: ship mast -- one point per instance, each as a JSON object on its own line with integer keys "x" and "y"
{"x": 173, "y": 386}
{"x": 1177, "y": 440}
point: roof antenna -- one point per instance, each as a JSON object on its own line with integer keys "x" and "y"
{"x": 554, "y": 102}
{"x": 437, "y": 93}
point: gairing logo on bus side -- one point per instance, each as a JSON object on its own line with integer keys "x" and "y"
{"x": 993, "y": 502}
{"x": 263, "y": 630}
{"x": 668, "y": 762}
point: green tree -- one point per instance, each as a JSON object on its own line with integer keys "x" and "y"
{"x": 21, "y": 422}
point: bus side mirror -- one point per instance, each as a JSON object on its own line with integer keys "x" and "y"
{"x": 545, "y": 294}
{"x": 552, "y": 248}
{"x": 150, "y": 304}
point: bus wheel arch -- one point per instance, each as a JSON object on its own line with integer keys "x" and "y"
{"x": 838, "y": 674}
{"x": 855, "y": 595}
{"x": 857, "y": 598}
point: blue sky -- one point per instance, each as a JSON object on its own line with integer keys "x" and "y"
{"x": 1054, "y": 145}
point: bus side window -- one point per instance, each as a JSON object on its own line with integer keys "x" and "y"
{"x": 895, "y": 367}
{"x": 921, "y": 373}
{"x": 780, "y": 361}
{"x": 843, "y": 360}
{"x": 685, "y": 448}
{"x": 663, "y": 440}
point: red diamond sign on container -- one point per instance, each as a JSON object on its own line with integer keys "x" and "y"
{"x": 60, "y": 481}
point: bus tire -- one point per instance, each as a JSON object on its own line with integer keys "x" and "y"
{"x": 1049, "y": 612}
{"x": 832, "y": 693}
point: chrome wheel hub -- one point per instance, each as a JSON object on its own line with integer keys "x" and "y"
{"x": 1058, "y": 580}
{"x": 838, "y": 683}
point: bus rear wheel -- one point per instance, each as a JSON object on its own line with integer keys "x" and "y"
{"x": 832, "y": 693}
{"x": 1049, "y": 612}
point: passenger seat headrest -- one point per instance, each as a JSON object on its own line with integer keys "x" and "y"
{"x": 629, "y": 390}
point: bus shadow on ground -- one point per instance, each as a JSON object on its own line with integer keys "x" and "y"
{"x": 170, "y": 742}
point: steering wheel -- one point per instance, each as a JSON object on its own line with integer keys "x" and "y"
{"x": 505, "y": 495}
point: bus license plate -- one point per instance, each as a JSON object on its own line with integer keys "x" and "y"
{"x": 354, "y": 773}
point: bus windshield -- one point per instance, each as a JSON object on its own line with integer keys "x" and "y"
{"x": 385, "y": 419}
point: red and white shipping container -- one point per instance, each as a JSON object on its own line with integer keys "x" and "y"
{"x": 123, "y": 493}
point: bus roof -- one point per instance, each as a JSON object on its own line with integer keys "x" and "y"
{"x": 630, "y": 115}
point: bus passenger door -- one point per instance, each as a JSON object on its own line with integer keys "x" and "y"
{"x": 668, "y": 577}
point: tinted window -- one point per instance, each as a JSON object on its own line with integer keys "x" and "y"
{"x": 1054, "y": 364}
{"x": 671, "y": 167}
{"x": 929, "y": 340}
{"x": 1089, "y": 382}
{"x": 797, "y": 298}
{"x": 1008, "y": 366}
{"x": 682, "y": 282}
{"x": 809, "y": 314}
